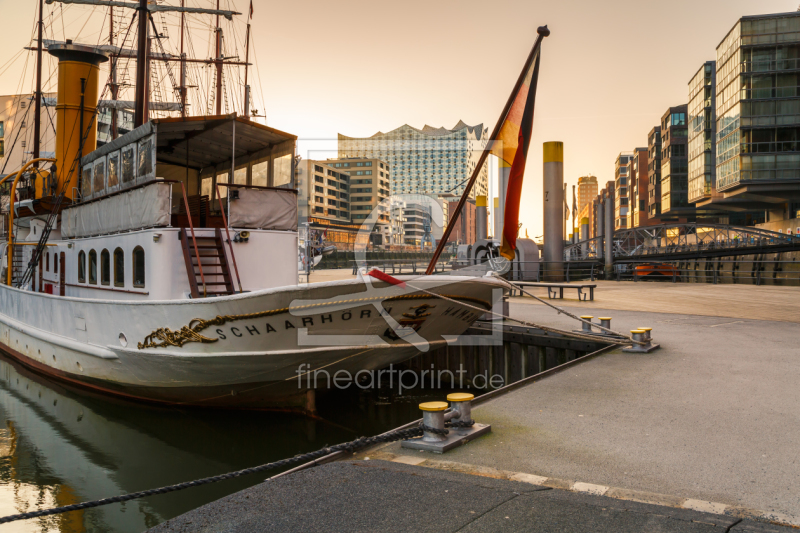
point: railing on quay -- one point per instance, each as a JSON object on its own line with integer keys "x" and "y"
{"x": 397, "y": 266}
{"x": 668, "y": 239}
{"x": 755, "y": 271}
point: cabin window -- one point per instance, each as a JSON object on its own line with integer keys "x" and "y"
{"x": 47, "y": 262}
{"x": 223, "y": 190}
{"x": 99, "y": 177}
{"x": 105, "y": 267}
{"x": 127, "y": 164}
{"x": 282, "y": 170}
{"x": 93, "y": 267}
{"x": 55, "y": 263}
{"x": 119, "y": 268}
{"x": 113, "y": 169}
{"x": 86, "y": 182}
{"x": 205, "y": 187}
{"x": 138, "y": 267}
{"x": 145, "y": 158}
{"x": 261, "y": 173}
{"x": 81, "y": 267}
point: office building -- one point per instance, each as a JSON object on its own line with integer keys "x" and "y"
{"x": 621, "y": 185}
{"x": 674, "y": 164}
{"x": 464, "y": 229}
{"x": 587, "y": 191}
{"x": 370, "y": 184}
{"x": 638, "y": 189}
{"x": 323, "y": 192}
{"x": 654, "y": 172}
{"x": 702, "y": 131}
{"x": 758, "y": 117}
{"x": 426, "y": 161}
{"x": 104, "y": 116}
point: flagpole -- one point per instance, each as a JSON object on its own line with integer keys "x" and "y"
{"x": 543, "y": 32}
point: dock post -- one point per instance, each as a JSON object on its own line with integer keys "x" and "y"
{"x": 433, "y": 417}
{"x": 553, "y": 253}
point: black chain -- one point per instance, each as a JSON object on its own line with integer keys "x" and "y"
{"x": 350, "y": 447}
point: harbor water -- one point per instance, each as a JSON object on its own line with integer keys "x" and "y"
{"x": 60, "y": 445}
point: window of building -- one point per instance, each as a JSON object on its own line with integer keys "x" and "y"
{"x": 318, "y": 210}
{"x": 320, "y": 199}
{"x": 318, "y": 168}
{"x": 93, "y": 267}
{"x": 319, "y": 179}
{"x": 318, "y": 189}
{"x": 119, "y": 268}
{"x": 368, "y": 172}
{"x": 138, "y": 267}
{"x": 81, "y": 267}
{"x": 105, "y": 267}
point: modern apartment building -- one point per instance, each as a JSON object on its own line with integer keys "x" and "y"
{"x": 323, "y": 192}
{"x": 674, "y": 164}
{"x": 426, "y": 161}
{"x": 621, "y": 176}
{"x": 370, "y": 184}
{"x": 758, "y": 116}
{"x": 16, "y": 131}
{"x": 638, "y": 189}
{"x": 702, "y": 128}
{"x": 654, "y": 172}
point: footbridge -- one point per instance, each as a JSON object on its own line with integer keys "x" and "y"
{"x": 676, "y": 242}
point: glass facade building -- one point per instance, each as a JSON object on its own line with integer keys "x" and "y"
{"x": 674, "y": 161}
{"x": 758, "y": 102}
{"x": 426, "y": 161}
{"x": 702, "y": 131}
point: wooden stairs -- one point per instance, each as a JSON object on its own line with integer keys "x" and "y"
{"x": 207, "y": 267}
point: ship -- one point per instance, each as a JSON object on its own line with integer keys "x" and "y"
{"x": 135, "y": 269}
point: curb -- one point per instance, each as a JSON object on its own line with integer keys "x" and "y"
{"x": 735, "y": 511}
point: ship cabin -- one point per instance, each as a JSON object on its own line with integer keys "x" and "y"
{"x": 177, "y": 208}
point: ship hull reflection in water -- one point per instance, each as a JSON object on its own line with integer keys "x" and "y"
{"x": 61, "y": 446}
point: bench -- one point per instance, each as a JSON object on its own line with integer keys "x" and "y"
{"x": 558, "y": 288}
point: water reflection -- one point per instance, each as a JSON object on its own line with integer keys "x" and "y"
{"x": 60, "y": 446}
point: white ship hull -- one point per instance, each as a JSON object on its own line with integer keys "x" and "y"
{"x": 246, "y": 350}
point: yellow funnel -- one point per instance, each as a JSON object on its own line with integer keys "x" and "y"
{"x": 77, "y": 83}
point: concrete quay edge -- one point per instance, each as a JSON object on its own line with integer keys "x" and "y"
{"x": 722, "y": 509}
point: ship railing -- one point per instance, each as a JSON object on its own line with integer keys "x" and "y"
{"x": 227, "y": 233}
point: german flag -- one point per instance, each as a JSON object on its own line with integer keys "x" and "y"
{"x": 511, "y": 146}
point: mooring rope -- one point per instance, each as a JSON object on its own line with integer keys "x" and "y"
{"x": 595, "y": 338}
{"x": 350, "y": 447}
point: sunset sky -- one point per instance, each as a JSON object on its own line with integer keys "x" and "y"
{"x": 609, "y": 69}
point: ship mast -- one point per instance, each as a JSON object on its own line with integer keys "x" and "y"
{"x": 246, "y": 60}
{"x": 182, "y": 88}
{"x": 114, "y": 86}
{"x": 219, "y": 65}
{"x": 139, "y": 111}
{"x": 142, "y": 89}
{"x": 37, "y": 117}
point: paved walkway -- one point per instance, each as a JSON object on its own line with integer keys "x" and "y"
{"x": 765, "y": 302}
{"x": 712, "y": 416}
{"x": 373, "y": 496}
